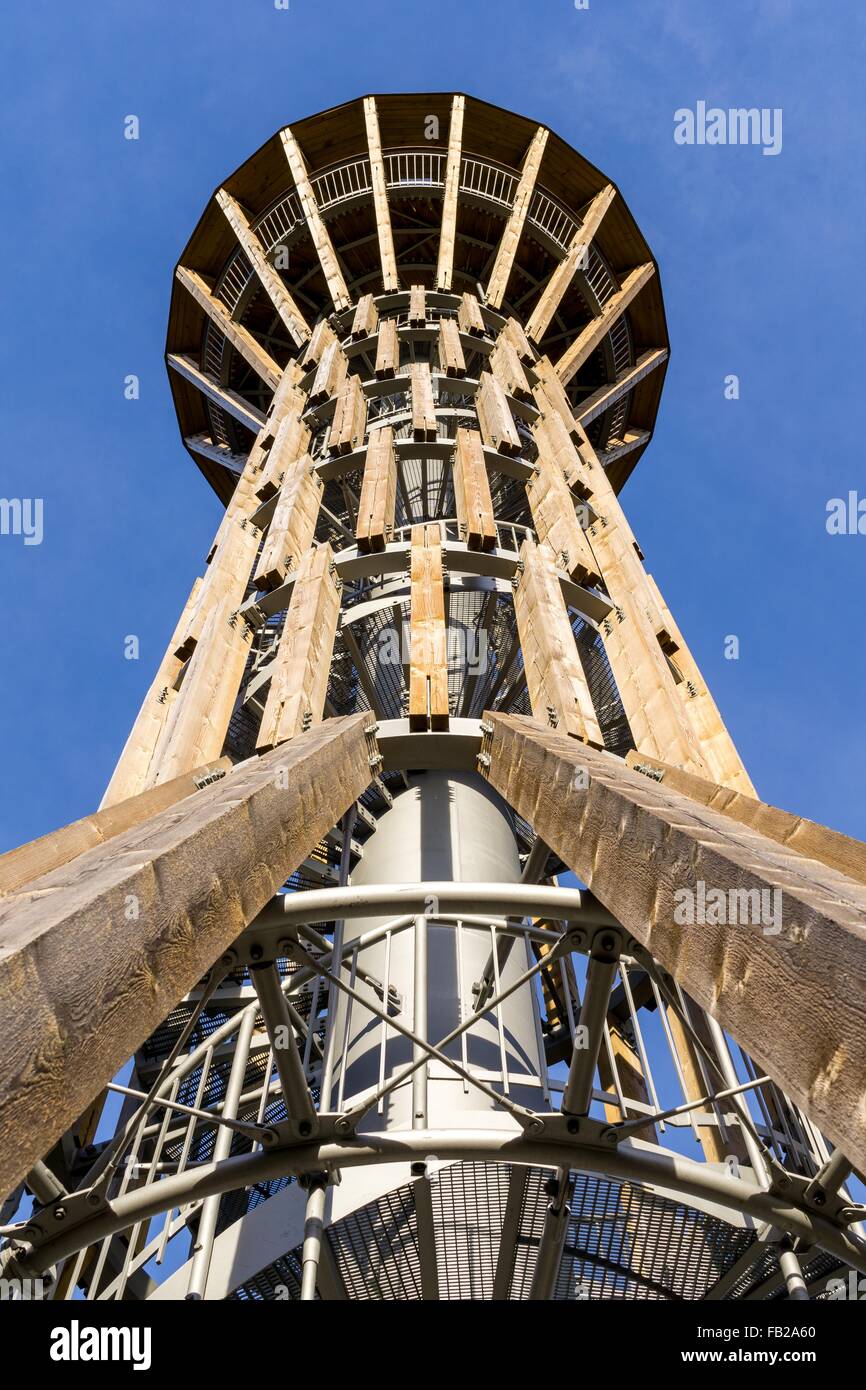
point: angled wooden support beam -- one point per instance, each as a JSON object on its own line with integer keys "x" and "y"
{"x": 618, "y": 448}
{"x": 229, "y": 401}
{"x": 349, "y": 424}
{"x": 417, "y": 306}
{"x": 558, "y": 690}
{"x": 472, "y": 492}
{"x": 240, "y": 338}
{"x": 49, "y": 852}
{"x": 293, "y": 524}
{"x": 785, "y": 972}
{"x": 155, "y": 907}
{"x": 589, "y": 337}
{"x": 508, "y": 369}
{"x": 300, "y": 670}
{"x": 494, "y": 416}
{"x": 469, "y": 316}
{"x": 377, "y": 506}
{"x": 366, "y": 319}
{"x": 321, "y": 239}
{"x": 207, "y": 448}
{"x": 601, "y": 400}
{"x": 321, "y": 338}
{"x": 291, "y": 441}
{"x": 514, "y": 333}
{"x": 450, "y": 196}
{"x": 387, "y": 349}
{"x": 502, "y": 267}
{"x": 331, "y": 372}
{"x": 390, "y": 278}
{"x": 424, "y": 425}
{"x": 555, "y": 517}
{"x": 451, "y": 359}
{"x": 428, "y": 645}
{"x": 811, "y": 840}
{"x": 575, "y": 259}
{"x": 272, "y": 282}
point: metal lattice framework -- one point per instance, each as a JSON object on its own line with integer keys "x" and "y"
{"x": 382, "y": 1049}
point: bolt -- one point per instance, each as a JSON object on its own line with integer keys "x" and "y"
{"x": 59, "y": 1213}
{"x": 573, "y": 1126}
{"x": 256, "y": 953}
{"x": 94, "y": 1199}
{"x": 608, "y": 943}
{"x": 819, "y": 1197}
{"x": 305, "y": 1128}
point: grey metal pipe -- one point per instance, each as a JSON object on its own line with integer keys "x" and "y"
{"x": 287, "y": 1059}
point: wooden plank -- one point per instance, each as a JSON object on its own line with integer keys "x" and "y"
{"x": 417, "y": 307}
{"x": 240, "y": 338}
{"x": 450, "y": 195}
{"x": 272, "y": 282}
{"x": 94, "y": 955}
{"x": 291, "y": 442}
{"x": 601, "y": 400}
{"x": 558, "y": 690}
{"x": 428, "y": 651}
{"x": 366, "y": 319}
{"x": 507, "y": 250}
{"x": 293, "y": 524}
{"x": 574, "y": 259}
{"x": 387, "y": 349}
{"x": 514, "y": 333}
{"x": 424, "y": 425}
{"x": 508, "y": 370}
{"x": 451, "y": 359}
{"x": 469, "y": 316}
{"x": 226, "y": 399}
{"x": 555, "y": 519}
{"x": 390, "y": 278}
{"x": 302, "y": 665}
{"x": 472, "y": 492}
{"x": 377, "y": 506}
{"x": 791, "y": 988}
{"x": 19, "y": 866}
{"x": 494, "y": 416}
{"x": 589, "y": 337}
{"x": 319, "y": 234}
{"x": 349, "y": 424}
{"x": 330, "y": 374}
{"x": 322, "y": 337}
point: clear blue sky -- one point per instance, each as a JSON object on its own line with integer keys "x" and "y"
{"x": 762, "y": 270}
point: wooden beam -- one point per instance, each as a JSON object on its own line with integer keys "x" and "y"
{"x": 514, "y": 334}
{"x": 293, "y": 524}
{"x": 508, "y": 369}
{"x": 558, "y": 689}
{"x": 272, "y": 282}
{"x": 574, "y": 260}
{"x": 321, "y": 239}
{"x": 428, "y": 649}
{"x": 366, "y": 319}
{"x": 472, "y": 492}
{"x": 555, "y": 519}
{"x": 390, "y": 278}
{"x": 387, "y": 349}
{"x": 322, "y": 337}
{"x": 601, "y": 400}
{"x": 790, "y": 988}
{"x": 618, "y": 448}
{"x": 349, "y": 424}
{"x": 589, "y": 337}
{"x": 94, "y": 955}
{"x": 290, "y": 442}
{"x": 376, "y": 509}
{"x": 451, "y": 359}
{"x": 19, "y": 866}
{"x": 417, "y": 307}
{"x": 330, "y": 374}
{"x": 450, "y": 195}
{"x": 469, "y": 316}
{"x": 302, "y": 665}
{"x": 502, "y": 267}
{"x": 494, "y": 416}
{"x": 240, "y": 338}
{"x": 424, "y": 425}
{"x": 227, "y": 400}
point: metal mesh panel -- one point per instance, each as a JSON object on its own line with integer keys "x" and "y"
{"x": 468, "y": 1202}
{"x": 376, "y": 1249}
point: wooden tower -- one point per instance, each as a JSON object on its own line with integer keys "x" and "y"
{"x": 457, "y": 955}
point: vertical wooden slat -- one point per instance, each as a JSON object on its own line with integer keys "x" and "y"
{"x": 472, "y": 492}
{"x": 417, "y": 306}
{"x": 504, "y": 262}
{"x": 554, "y": 290}
{"x": 366, "y": 319}
{"x": 302, "y": 665}
{"x": 322, "y": 337}
{"x": 350, "y": 418}
{"x": 291, "y": 442}
{"x": 293, "y": 524}
{"x": 316, "y": 227}
{"x": 451, "y": 358}
{"x": 558, "y": 689}
{"x": 469, "y": 316}
{"x": 423, "y": 406}
{"x": 445, "y": 265}
{"x": 428, "y": 656}
{"x": 387, "y": 349}
{"x": 494, "y": 416}
{"x": 390, "y": 278}
{"x": 330, "y": 373}
{"x": 378, "y": 500}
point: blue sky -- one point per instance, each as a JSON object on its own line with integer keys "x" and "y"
{"x": 761, "y": 265}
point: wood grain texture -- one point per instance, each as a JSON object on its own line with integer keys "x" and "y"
{"x": 272, "y": 282}
{"x": 589, "y": 337}
{"x": 451, "y": 359}
{"x": 321, "y": 239}
{"x": 302, "y": 664}
{"x": 795, "y": 998}
{"x": 293, "y": 524}
{"x": 378, "y": 501}
{"x": 494, "y": 416}
{"x": 390, "y": 278}
{"x": 240, "y": 338}
{"x": 510, "y": 240}
{"x": 450, "y": 194}
{"x": 387, "y": 349}
{"x": 94, "y": 955}
{"x": 423, "y": 405}
{"x": 472, "y": 492}
{"x": 428, "y": 655}
{"x": 554, "y": 291}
